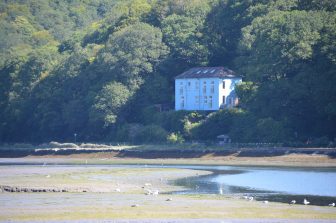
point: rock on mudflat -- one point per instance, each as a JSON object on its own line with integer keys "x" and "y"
{"x": 14, "y": 189}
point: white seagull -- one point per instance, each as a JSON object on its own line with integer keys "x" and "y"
{"x": 332, "y": 205}
{"x": 293, "y": 202}
{"x": 305, "y": 202}
{"x": 148, "y": 192}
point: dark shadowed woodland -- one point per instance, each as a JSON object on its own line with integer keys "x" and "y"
{"x": 104, "y": 70}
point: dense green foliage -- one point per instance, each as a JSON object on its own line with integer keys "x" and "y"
{"x": 103, "y": 69}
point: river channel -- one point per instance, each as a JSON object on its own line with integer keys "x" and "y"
{"x": 279, "y": 184}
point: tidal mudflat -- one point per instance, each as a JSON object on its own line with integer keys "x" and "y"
{"x": 117, "y": 193}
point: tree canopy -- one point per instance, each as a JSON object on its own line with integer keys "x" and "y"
{"x": 105, "y": 69}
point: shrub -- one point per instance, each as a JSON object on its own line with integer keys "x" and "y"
{"x": 243, "y": 128}
{"x": 215, "y": 124}
{"x": 175, "y": 138}
{"x": 248, "y": 128}
{"x": 151, "y": 133}
{"x": 269, "y": 130}
{"x": 321, "y": 142}
{"x": 148, "y": 114}
{"x": 128, "y": 132}
{"x": 171, "y": 120}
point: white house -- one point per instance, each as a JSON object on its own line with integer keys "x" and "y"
{"x": 206, "y": 88}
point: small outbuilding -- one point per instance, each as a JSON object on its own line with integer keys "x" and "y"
{"x": 223, "y": 139}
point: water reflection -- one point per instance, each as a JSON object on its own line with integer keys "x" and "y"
{"x": 267, "y": 183}
{"x": 280, "y": 184}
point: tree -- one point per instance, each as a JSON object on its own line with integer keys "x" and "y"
{"x": 133, "y": 52}
{"x": 223, "y": 29}
{"x": 286, "y": 55}
{"x": 279, "y": 42}
{"x": 109, "y": 103}
{"x": 184, "y": 38}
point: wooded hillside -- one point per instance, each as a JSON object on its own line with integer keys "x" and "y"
{"x": 98, "y": 68}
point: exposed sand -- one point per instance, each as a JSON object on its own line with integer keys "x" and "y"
{"x": 112, "y": 191}
{"x": 94, "y": 178}
{"x": 293, "y": 159}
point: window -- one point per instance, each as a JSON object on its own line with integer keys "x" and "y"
{"x": 196, "y": 85}
{"x": 223, "y": 100}
{"x": 223, "y": 84}
{"x": 182, "y": 102}
{"x": 212, "y": 87}
{"x": 204, "y": 87}
{"x": 196, "y": 100}
{"x": 210, "y": 101}
{"x": 205, "y": 100}
{"x": 181, "y": 90}
{"x": 189, "y": 84}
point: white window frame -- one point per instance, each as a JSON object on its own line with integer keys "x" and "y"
{"x": 212, "y": 87}
{"x": 182, "y": 102}
{"x": 196, "y": 85}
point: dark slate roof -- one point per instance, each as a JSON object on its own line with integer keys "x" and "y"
{"x": 207, "y": 72}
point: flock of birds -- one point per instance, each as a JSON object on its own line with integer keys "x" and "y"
{"x": 305, "y": 201}
{"x": 156, "y": 192}
{"x": 147, "y": 192}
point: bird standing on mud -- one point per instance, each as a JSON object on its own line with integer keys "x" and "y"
{"x": 305, "y": 202}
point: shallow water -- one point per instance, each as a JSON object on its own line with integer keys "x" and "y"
{"x": 292, "y": 182}
{"x": 281, "y": 184}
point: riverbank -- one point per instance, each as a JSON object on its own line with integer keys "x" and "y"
{"x": 168, "y": 154}
{"x": 121, "y": 192}
{"x": 299, "y": 160}
{"x": 46, "y": 191}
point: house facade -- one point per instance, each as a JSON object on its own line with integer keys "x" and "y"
{"x": 206, "y": 88}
